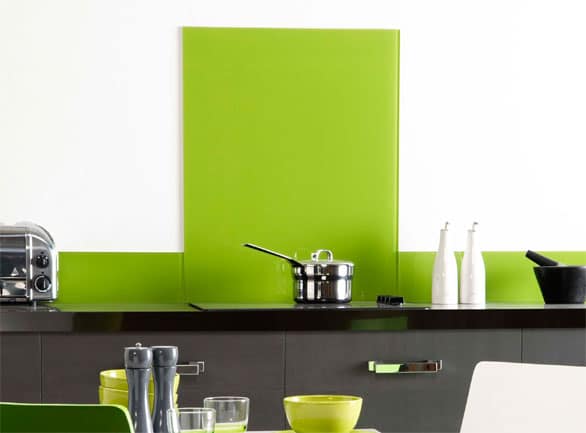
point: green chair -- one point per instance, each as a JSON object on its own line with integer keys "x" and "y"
{"x": 64, "y": 418}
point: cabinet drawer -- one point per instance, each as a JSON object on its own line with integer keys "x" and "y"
{"x": 554, "y": 346}
{"x": 20, "y": 367}
{"x": 337, "y": 362}
{"x": 246, "y": 363}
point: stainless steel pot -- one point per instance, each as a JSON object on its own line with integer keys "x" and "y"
{"x": 318, "y": 280}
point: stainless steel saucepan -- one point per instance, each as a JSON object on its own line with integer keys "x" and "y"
{"x": 318, "y": 280}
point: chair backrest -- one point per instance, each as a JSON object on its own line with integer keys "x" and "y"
{"x": 535, "y": 398}
{"x": 64, "y": 418}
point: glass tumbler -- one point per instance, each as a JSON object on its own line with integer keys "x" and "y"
{"x": 191, "y": 419}
{"x": 231, "y": 413}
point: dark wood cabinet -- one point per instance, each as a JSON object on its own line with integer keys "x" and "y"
{"x": 20, "y": 367}
{"x": 336, "y": 362}
{"x": 555, "y": 346}
{"x": 247, "y": 363}
{"x": 266, "y": 366}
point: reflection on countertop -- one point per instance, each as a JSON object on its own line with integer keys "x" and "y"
{"x": 356, "y": 316}
{"x": 137, "y": 308}
{"x": 94, "y": 308}
{"x": 195, "y": 307}
{"x": 366, "y": 306}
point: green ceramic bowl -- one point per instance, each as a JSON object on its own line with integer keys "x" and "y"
{"x": 116, "y": 379}
{"x": 322, "y": 413}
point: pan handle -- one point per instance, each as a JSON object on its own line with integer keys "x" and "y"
{"x": 273, "y": 253}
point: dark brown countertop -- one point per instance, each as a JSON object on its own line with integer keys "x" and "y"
{"x": 359, "y": 316}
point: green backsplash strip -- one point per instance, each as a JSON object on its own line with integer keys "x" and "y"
{"x": 111, "y": 278}
{"x": 509, "y": 275}
{"x": 290, "y": 142}
{"x": 156, "y": 278}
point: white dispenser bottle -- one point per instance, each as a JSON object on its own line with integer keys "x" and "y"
{"x": 444, "y": 288}
{"x": 472, "y": 274}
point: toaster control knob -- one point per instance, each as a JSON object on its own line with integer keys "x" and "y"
{"x": 42, "y": 261}
{"x": 42, "y": 283}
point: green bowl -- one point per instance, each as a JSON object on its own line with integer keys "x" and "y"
{"x": 117, "y": 396}
{"x": 116, "y": 379}
{"x": 322, "y": 413}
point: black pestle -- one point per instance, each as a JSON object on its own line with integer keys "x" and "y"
{"x": 541, "y": 260}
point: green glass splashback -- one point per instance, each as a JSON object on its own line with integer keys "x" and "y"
{"x": 509, "y": 275}
{"x": 290, "y": 142}
{"x": 120, "y": 278}
{"x": 154, "y": 280}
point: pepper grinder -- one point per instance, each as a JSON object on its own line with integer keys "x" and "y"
{"x": 138, "y": 361}
{"x": 164, "y": 369}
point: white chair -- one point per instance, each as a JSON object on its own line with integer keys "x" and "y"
{"x": 533, "y": 398}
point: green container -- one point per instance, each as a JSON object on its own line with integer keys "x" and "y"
{"x": 322, "y": 413}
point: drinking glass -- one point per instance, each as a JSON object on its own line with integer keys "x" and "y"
{"x": 231, "y": 413}
{"x": 191, "y": 419}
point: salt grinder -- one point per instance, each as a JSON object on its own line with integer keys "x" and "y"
{"x": 164, "y": 369}
{"x": 138, "y": 361}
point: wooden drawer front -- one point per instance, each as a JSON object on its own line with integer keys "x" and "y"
{"x": 20, "y": 368}
{"x": 336, "y": 362}
{"x": 555, "y": 346}
{"x": 250, "y": 364}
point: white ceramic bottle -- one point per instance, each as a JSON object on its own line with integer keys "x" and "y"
{"x": 472, "y": 274}
{"x": 444, "y": 288}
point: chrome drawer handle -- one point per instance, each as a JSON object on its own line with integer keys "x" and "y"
{"x": 192, "y": 368}
{"x": 394, "y": 367}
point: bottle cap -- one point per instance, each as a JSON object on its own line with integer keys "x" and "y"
{"x": 138, "y": 356}
{"x": 165, "y": 356}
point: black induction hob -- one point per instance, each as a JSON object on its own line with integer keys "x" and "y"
{"x": 352, "y": 306}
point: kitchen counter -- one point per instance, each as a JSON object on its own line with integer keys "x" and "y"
{"x": 358, "y": 316}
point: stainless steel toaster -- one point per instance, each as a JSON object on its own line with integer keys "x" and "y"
{"x": 29, "y": 264}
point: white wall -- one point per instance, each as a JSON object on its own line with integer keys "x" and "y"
{"x": 492, "y": 113}
{"x": 493, "y": 119}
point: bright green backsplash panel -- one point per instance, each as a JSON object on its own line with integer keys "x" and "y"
{"x": 509, "y": 275}
{"x": 290, "y": 142}
{"x": 111, "y": 278}
{"x": 155, "y": 280}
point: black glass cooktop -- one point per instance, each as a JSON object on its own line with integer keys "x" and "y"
{"x": 354, "y": 306}
{"x": 370, "y": 306}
